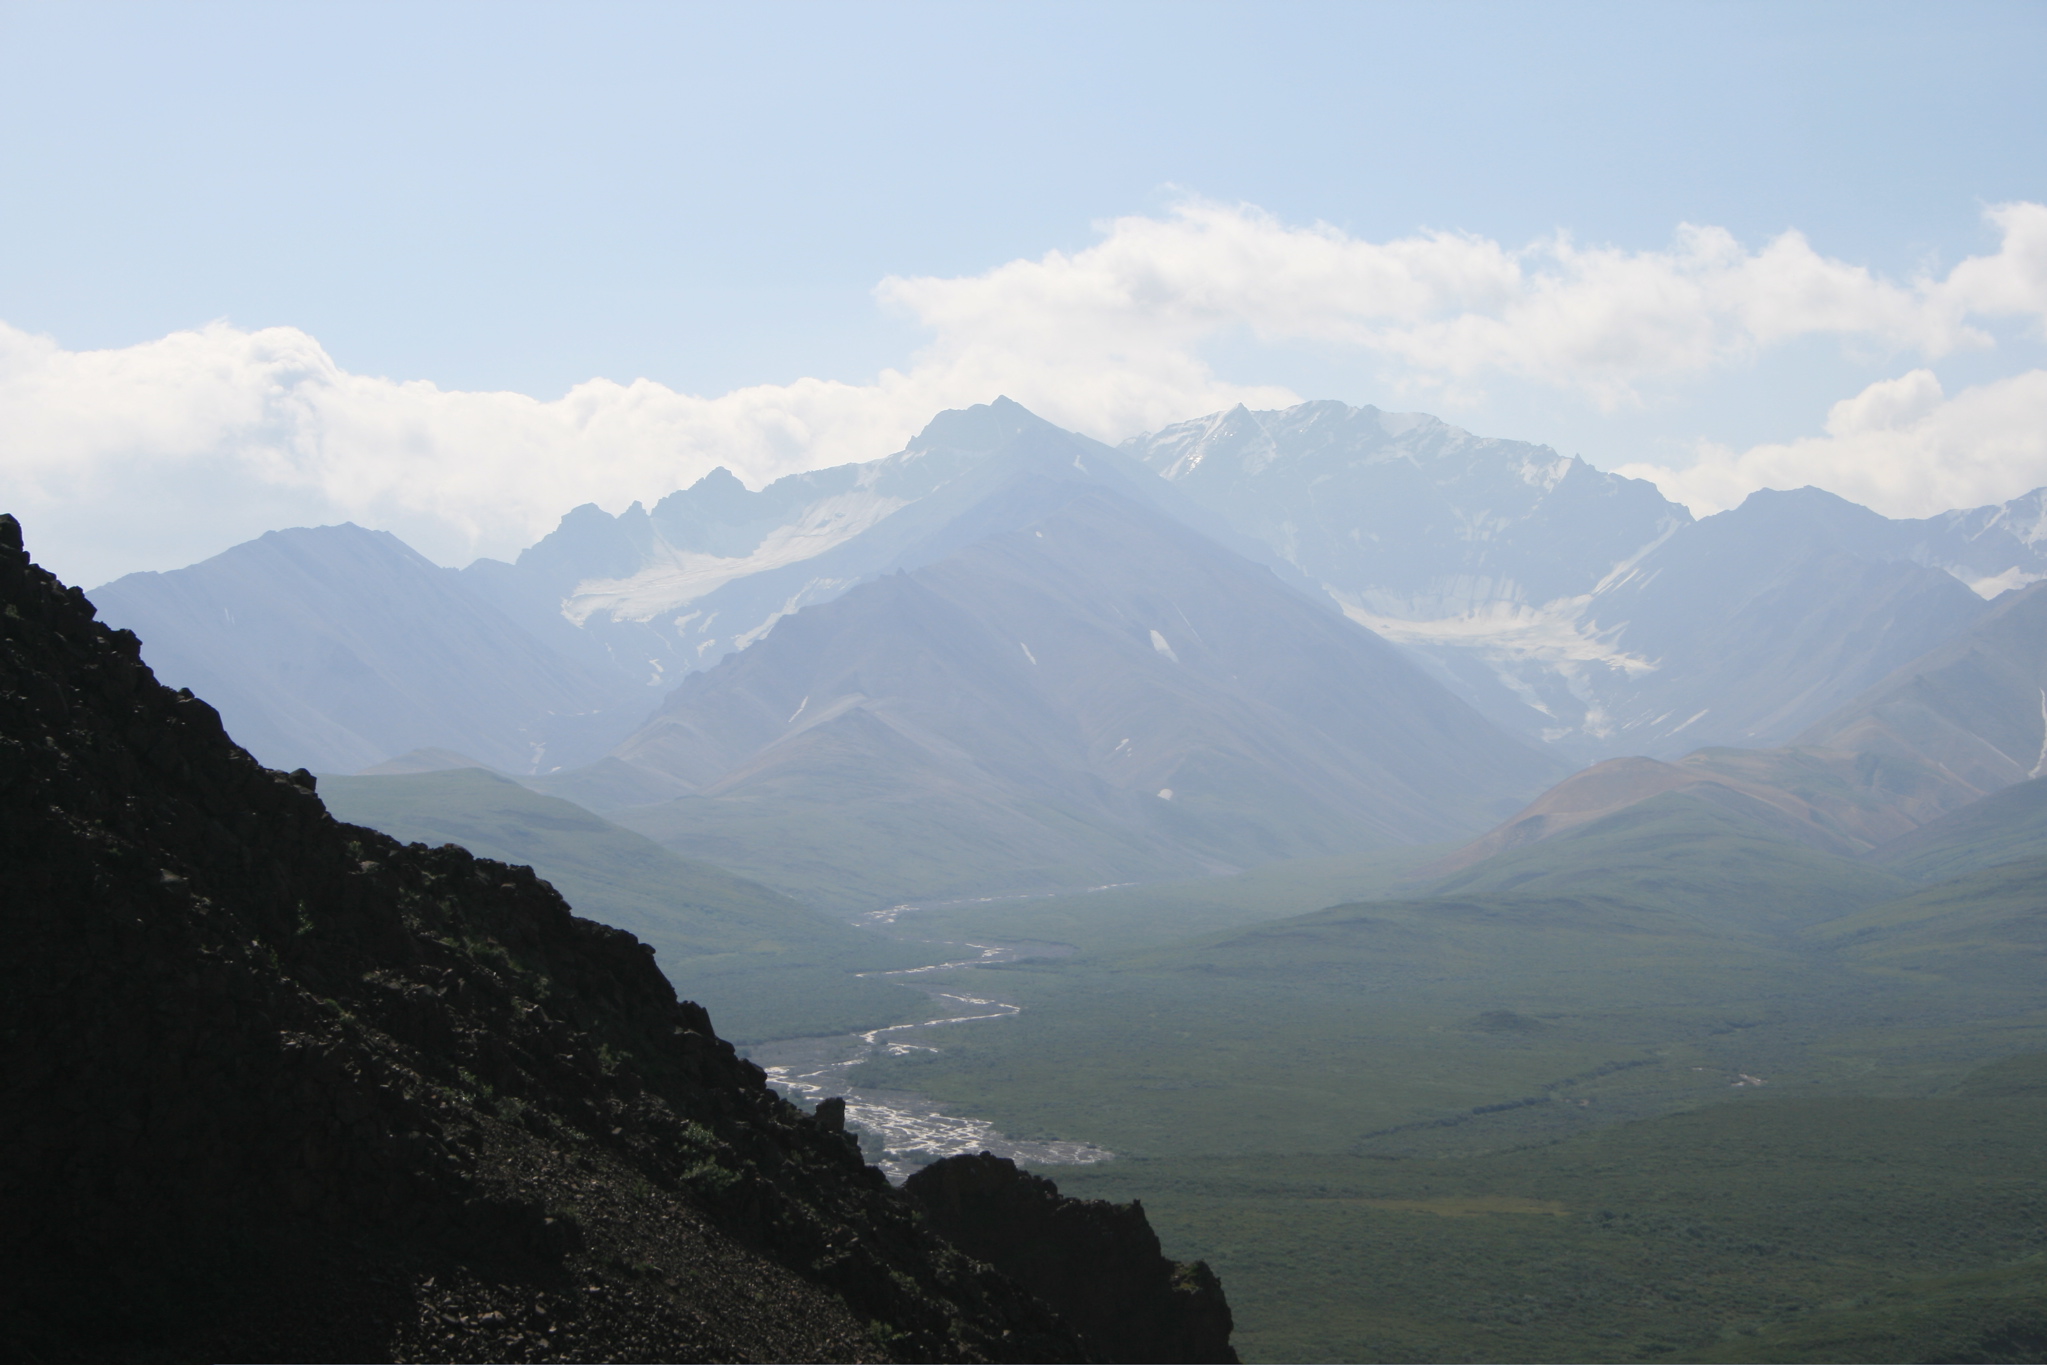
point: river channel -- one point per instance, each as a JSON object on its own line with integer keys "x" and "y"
{"x": 913, "y": 1130}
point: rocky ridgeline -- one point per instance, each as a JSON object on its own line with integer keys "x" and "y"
{"x": 280, "y": 1088}
{"x": 1100, "y": 1262}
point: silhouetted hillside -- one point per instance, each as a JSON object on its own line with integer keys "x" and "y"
{"x": 281, "y": 1088}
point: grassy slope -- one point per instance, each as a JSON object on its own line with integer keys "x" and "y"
{"x": 1762, "y": 1229}
{"x": 1260, "y": 1081}
{"x": 1689, "y": 855}
{"x": 859, "y": 854}
{"x": 1396, "y": 1013}
{"x": 1383, "y": 1027}
{"x": 763, "y": 965}
{"x": 1337, "y": 1108}
{"x": 1124, "y": 917}
{"x": 2001, "y": 828}
{"x": 1984, "y": 933}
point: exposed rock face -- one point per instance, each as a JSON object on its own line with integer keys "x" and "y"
{"x": 279, "y": 1088}
{"x": 1097, "y": 1263}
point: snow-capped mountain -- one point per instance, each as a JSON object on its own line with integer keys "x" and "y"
{"x": 710, "y": 569}
{"x": 1570, "y": 606}
{"x": 1928, "y": 740}
{"x": 1404, "y": 518}
{"x": 1993, "y": 549}
{"x": 1585, "y": 608}
{"x": 1093, "y": 692}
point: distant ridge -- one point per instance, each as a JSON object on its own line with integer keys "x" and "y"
{"x": 1097, "y": 694}
{"x": 1917, "y": 749}
{"x": 1584, "y": 609}
{"x": 335, "y": 648}
{"x": 428, "y": 760}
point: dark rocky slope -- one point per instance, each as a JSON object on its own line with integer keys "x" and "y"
{"x": 1098, "y": 1263}
{"x": 275, "y": 1087}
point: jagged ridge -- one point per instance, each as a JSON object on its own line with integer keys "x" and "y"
{"x": 1100, "y": 1262}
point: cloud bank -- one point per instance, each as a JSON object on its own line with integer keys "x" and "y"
{"x": 1443, "y": 307}
{"x": 153, "y": 455}
{"x": 1901, "y": 446}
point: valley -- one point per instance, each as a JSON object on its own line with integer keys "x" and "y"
{"x": 1619, "y": 1109}
{"x": 1480, "y": 909}
{"x": 899, "y": 1130}
{"x": 1552, "y": 1130}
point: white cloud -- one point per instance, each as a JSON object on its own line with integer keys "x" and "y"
{"x": 153, "y": 455}
{"x": 1448, "y": 306}
{"x": 1900, "y": 446}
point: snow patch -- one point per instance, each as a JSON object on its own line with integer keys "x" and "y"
{"x": 1027, "y": 653}
{"x": 1165, "y": 793}
{"x": 678, "y": 577}
{"x": 2014, "y": 577}
{"x": 1544, "y": 474}
{"x": 1158, "y": 642}
{"x": 1507, "y": 630}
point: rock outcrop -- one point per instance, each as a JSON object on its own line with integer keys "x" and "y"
{"x": 1097, "y": 1264}
{"x": 273, "y": 1087}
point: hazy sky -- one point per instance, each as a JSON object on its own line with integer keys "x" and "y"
{"x": 269, "y": 264}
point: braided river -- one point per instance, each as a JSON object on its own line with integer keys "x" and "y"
{"x": 913, "y": 1130}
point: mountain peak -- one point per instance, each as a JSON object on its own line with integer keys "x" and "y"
{"x": 719, "y": 481}
{"x": 984, "y": 426}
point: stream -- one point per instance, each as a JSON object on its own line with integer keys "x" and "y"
{"x": 913, "y": 1130}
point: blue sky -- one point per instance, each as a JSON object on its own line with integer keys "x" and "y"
{"x": 518, "y": 198}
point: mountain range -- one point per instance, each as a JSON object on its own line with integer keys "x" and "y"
{"x": 1389, "y": 825}
{"x": 1584, "y": 607}
{"x": 1012, "y": 659}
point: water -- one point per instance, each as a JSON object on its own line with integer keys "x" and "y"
{"x": 914, "y": 1130}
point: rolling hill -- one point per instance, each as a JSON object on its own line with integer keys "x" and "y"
{"x": 765, "y": 966}
{"x": 2001, "y": 828}
{"x": 1920, "y": 746}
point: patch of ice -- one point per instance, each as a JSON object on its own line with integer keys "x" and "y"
{"x": 674, "y": 578}
{"x": 1545, "y": 474}
{"x": 2041, "y": 765}
{"x": 1989, "y": 587}
{"x": 1551, "y": 634}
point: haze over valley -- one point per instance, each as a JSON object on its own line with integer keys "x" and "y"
{"x": 917, "y": 682}
{"x": 1001, "y": 785}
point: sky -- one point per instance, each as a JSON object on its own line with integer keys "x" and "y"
{"x": 451, "y": 269}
